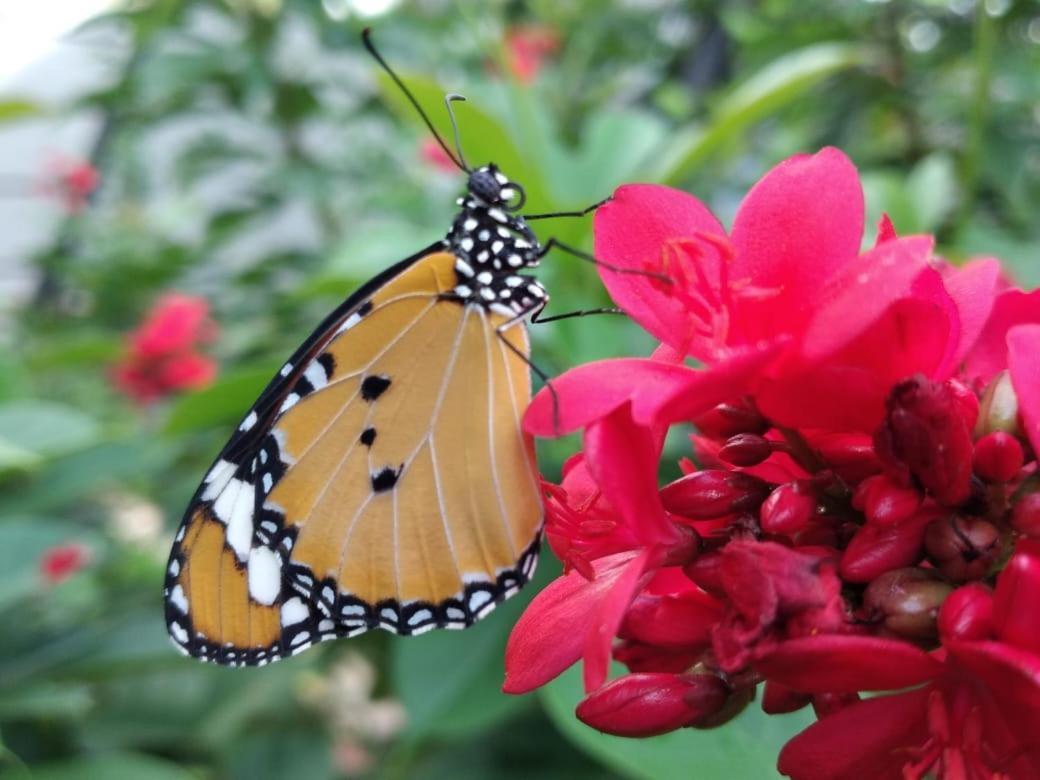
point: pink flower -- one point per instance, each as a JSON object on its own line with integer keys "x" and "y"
{"x": 70, "y": 181}
{"x": 527, "y": 46}
{"x": 431, "y": 153}
{"x": 161, "y": 356}
{"x": 60, "y": 562}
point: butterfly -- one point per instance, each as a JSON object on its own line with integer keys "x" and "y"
{"x": 382, "y": 479}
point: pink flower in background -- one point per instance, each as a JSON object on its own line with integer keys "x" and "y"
{"x": 527, "y": 47}
{"x": 162, "y": 353}
{"x": 60, "y": 562}
{"x": 70, "y": 181}
{"x": 431, "y": 153}
{"x": 867, "y": 425}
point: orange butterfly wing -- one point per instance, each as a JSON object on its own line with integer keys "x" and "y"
{"x": 383, "y": 480}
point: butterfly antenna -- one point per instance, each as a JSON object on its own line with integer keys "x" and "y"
{"x": 450, "y": 98}
{"x": 366, "y": 38}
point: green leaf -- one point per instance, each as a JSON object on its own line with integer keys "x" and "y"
{"x": 31, "y": 431}
{"x": 114, "y": 766}
{"x": 47, "y": 701}
{"x": 223, "y": 402}
{"x": 776, "y": 85}
{"x": 451, "y": 683}
{"x": 13, "y": 109}
{"x": 933, "y": 189}
{"x": 745, "y": 747}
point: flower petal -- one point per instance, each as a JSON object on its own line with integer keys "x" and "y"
{"x": 871, "y": 738}
{"x": 608, "y": 616}
{"x": 552, "y": 633}
{"x": 989, "y": 354}
{"x": 797, "y": 227}
{"x": 1015, "y": 613}
{"x": 836, "y": 663}
{"x": 632, "y": 230}
{"x": 622, "y": 458}
{"x": 973, "y": 288}
{"x": 1010, "y": 674}
{"x": 659, "y": 392}
{"x": 1023, "y": 355}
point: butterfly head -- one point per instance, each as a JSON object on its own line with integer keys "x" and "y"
{"x": 493, "y": 189}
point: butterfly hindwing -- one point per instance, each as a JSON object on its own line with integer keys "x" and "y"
{"x": 381, "y": 480}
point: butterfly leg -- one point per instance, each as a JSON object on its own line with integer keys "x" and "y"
{"x": 500, "y": 332}
{"x": 581, "y": 213}
{"x": 582, "y": 255}
{"x": 536, "y": 318}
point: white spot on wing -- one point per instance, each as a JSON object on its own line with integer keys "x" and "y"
{"x": 289, "y": 402}
{"x": 249, "y": 422}
{"x": 294, "y": 611}
{"x": 316, "y": 375}
{"x": 178, "y": 632}
{"x": 234, "y": 508}
{"x": 349, "y": 322}
{"x": 265, "y": 575}
{"x": 218, "y": 478}
{"x": 178, "y": 600}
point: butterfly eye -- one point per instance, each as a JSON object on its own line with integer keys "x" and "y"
{"x": 513, "y": 196}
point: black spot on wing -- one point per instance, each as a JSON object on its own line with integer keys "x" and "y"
{"x": 368, "y": 436}
{"x": 364, "y": 308}
{"x": 386, "y": 479}
{"x": 328, "y": 362}
{"x": 374, "y": 386}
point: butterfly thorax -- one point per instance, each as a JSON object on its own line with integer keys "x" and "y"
{"x": 492, "y": 244}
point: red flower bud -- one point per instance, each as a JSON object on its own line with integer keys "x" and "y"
{"x": 850, "y": 455}
{"x": 877, "y": 548}
{"x": 825, "y": 704}
{"x": 998, "y": 457}
{"x": 884, "y": 501}
{"x": 1025, "y": 515}
{"x": 926, "y": 434}
{"x": 639, "y": 657}
{"x": 647, "y": 704}
{"x": 778, "y": 699}
{"x": 745, "y": 449}
{"x": 677, "y": 620}
{"x": 967, "y": 613}
{"x": 706, "y": 573}
{"x": 788, "y": 509}
{"x": 962, "y": 548}
{"x": 731, "y": 418}
{"x": 968, "y": 401}
{"x": 906, "y": 602}
{"x": 707, "y": 494}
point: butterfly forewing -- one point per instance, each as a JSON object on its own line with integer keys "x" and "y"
{"x": 382, "y": 480}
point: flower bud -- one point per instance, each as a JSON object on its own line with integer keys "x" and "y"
{"x": 906, "y": 602}
{"x": 967, "y": 613}
{"x": 788, "y": 509}
{"x": 969, "y": 402}
{"x": 998, "y": 408}
{"x": 639, "y": 657}
{"x": 707, "y": 494}
{"x": 926, "y": 434}
{"x": 850, "y": 455}
{"x": 731, "y": 418}
{"x": 998, "y": 457}
{"x": 962, "y": 548}
{"x": 706, "y": 573}
{"x": 646, "y": 704}
{"x": 778, "y": 699}
{"x": 877, "y": 548}
{"x": 745, "y": 449}
{"x": 1015, "y": 615}
{"x": 1025, "y": 515}
{"x": 884, "y": 501}
{"x": 675, "y": 620}
{"x": 825, "y": 704}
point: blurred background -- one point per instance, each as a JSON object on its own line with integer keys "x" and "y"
{"x": 188, "y": 186}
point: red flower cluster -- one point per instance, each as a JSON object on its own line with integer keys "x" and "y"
{"x": 863, "y": 516}
{"x": 161, "y": 354}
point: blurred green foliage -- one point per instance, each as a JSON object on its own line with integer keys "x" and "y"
{"x": 251, "y": 153}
